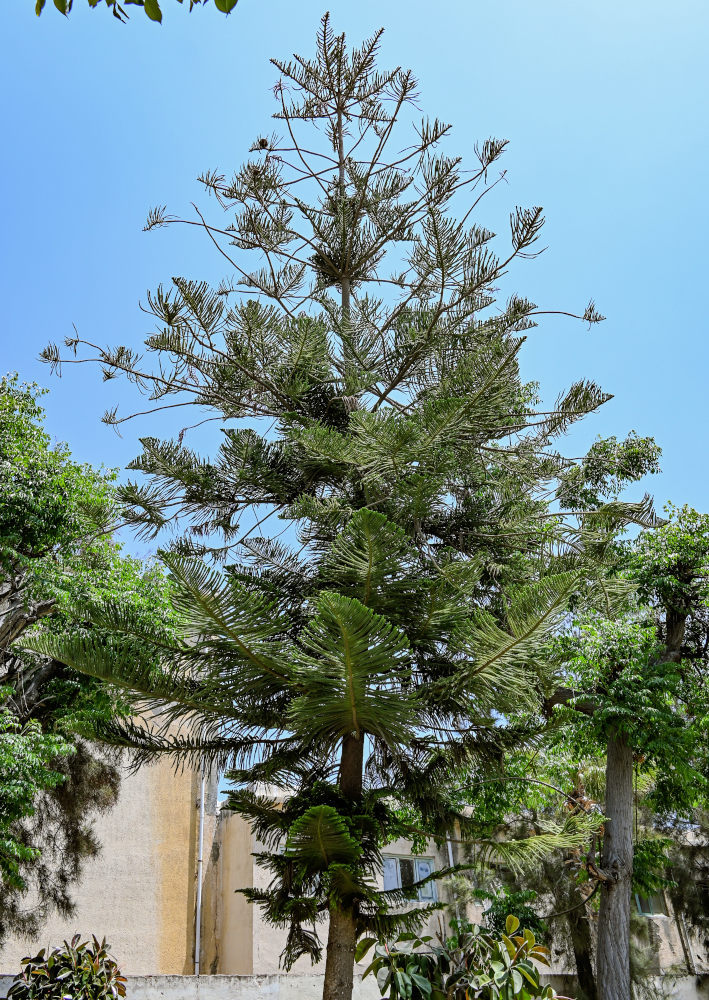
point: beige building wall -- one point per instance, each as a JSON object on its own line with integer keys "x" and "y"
{"x": 227, "y": 918}
{"x": 140, "y": 891}
{"x": 238, "y": 941}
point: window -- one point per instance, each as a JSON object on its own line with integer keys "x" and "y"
{"x": 401, "y": 872}
{"x": 651, "y": 906}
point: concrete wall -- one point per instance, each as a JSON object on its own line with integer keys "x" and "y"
{"x": 284, "y": 987}
{"x": 140, "y": 891}
{"x": 292, "y": 987}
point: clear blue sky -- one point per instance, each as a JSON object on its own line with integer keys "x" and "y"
{"x": 604, "y": 105}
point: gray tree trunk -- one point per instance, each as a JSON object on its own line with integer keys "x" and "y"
{"x": 580, "y": 933}
{"x": 339, "y": 964}
{"x": 613, "y": 974}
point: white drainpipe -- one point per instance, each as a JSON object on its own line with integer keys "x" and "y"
{"x": 200, "y": 866}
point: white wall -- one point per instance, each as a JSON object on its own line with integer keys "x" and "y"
{"x": 289, "y": 987}
{"x": 293, "y": 987}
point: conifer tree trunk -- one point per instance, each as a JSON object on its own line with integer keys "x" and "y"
{"x": 617, "y": 863}
{"x": 342, "y": 933}
{"x": 339, "y": 964}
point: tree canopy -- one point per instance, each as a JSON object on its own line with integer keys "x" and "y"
{"x": 56, "y": 550}
{"x": 628, "y": 710}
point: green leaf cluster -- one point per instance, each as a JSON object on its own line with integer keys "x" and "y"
{"x": 45, "y": 497}
{"x": 80, "y": 970}
{"x": 27, "y": 756}
{"x": 56, "y": 554}
{"x": 470, "y": 964}
{"x": 151, "y": 8}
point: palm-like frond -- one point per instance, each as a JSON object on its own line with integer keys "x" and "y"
{"x": 352, "y": 669}
{"x": 371, "y": 560}
{"x": 525, "y": 853}
{"x": 320, "y": 838}
{"x": 129, "y": 664}
{"x": 500, "y": 658}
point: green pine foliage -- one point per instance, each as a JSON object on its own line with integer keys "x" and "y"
{"x": 368, "y": 566}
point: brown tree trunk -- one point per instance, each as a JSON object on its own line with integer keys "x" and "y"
{"x": 580, "y": 932}
{"x": 567, "y": 900}
{"x": 342, "y": 933}
{"x": 339, "y": 964}
{"x": 617, "y": 864}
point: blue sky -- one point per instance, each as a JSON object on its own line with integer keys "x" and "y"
{"x": 604, "y": 105}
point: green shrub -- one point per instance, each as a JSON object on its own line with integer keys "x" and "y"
{"x": 470, "y": 965}
{"x": 79, "y": 970}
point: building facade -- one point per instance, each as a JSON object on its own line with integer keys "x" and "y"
{"x": 141, "y": 891}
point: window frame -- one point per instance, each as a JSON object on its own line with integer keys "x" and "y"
{"x": 416, "y": 860}
{"x": 650, "y": 912}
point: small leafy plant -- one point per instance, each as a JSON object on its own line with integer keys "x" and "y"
{"x": 79, "y": 970}
{"x": 470, "y": 965}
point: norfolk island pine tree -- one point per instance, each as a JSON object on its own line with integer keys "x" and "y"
{"x": 396, "y": 437}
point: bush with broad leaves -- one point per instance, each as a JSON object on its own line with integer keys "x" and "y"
{"x": 79, "y": 970}
{"x": 472, "y": 964}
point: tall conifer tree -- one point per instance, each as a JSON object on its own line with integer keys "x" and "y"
{"x": 368, "y": 391}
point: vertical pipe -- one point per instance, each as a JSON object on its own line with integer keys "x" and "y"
{"x": 684, "y": 937}
{"x": 451, "y": 863}
{"x": 200, "y": 865}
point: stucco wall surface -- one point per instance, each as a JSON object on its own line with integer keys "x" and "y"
{"x": 140, "y": 891}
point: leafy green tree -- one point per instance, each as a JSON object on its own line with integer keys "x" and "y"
{"x": 551, "y": 893}
{"x": 55, "y": 551}
{"x": 26, "y": 756}
{"x": 151, "y": 8}
{"x": 636, "y": 687}
{"x": 368, "y": 392}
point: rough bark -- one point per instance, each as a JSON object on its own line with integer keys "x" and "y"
{"x": 568, "y": 901}
{"x": 617, "y": 866}
{"x": 581, "y": 942}
{"x": 339, "y": 964}
{"x": 675, "y": 625}
{"x": 342, "y": 933}
{"x": 17, "y": 609}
